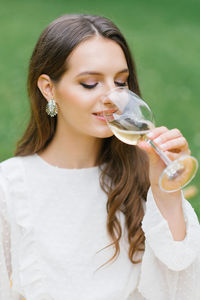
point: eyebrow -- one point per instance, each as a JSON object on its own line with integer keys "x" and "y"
{"x": 98, "y": 73}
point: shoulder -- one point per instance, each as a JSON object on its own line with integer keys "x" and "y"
{"x": 12, "y": 178}
{"x": 8, "y": 168}
{"x": 9, "y": 165}
{"x": 15, "y": 161}
{"x": 9, "y": 162}
{"x": 12, "y": 169}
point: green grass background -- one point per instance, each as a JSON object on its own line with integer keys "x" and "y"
{"x": 164, "y": 37}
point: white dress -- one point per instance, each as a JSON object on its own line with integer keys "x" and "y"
{"x": 53, "y": 224}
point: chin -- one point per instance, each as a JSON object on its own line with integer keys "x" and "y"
{"x": 103, "y": 134}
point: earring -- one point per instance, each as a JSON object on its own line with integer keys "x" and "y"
{"x": 51, "y": 108}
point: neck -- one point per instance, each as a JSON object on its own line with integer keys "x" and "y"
{"x": 70, "y": 150}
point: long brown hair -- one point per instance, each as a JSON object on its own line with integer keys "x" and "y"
{"x": 126, "y": 166}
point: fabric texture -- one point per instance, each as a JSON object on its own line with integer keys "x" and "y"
{"x": 53, "y": 238}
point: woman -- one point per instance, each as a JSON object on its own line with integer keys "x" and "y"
{"x": 79, "y": 220}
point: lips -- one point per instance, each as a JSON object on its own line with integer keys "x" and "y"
{"x": 105, "y": 112}
{"x": 98, "y": 113}
{"x": 99, "y": 116}
{"x": 104, "y": 116}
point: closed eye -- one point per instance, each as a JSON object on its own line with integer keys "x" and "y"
{"x": 89, "y": 86}
{"x": 121, "y": 83}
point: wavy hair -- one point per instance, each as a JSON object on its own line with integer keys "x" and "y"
{"x": 124, "y": 176}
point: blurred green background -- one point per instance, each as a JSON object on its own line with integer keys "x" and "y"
{"x": 164, "y": 37}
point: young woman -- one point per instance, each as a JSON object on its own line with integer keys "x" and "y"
{"x": 82, "y": 216}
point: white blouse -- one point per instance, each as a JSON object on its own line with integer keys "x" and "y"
{"x": 53, "y": 238}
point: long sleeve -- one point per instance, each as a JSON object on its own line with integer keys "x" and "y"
{"x": 170, "y": 269}
{"x": 5, "y": 250}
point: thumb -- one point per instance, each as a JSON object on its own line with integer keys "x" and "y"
{"x": 153, "y": 156}
{"x": 145, "y": 146}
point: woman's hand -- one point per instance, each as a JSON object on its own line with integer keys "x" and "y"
{"x": 174, "y": 145}
{"x": 171, "y": 142}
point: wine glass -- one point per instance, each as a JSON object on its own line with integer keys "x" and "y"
{"x": 130, "y": 119}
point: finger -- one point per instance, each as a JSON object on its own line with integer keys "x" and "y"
{"x": 173, "y": 156}
{"x": 153, "y": 156}
{"x": 144, "y": 146}
{"x": 177, "y": 143}
{"x": 166, "y": 136}
{"x": 154, "y": 133}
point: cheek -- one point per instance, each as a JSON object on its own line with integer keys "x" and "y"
{"x": 75, "y": 99}
{"x": 76, "y": 107}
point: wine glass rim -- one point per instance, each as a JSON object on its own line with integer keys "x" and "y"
{"x": 118, "y": 88}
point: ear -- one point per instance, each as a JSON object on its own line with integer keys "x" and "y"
{"x": 45, "y": 86}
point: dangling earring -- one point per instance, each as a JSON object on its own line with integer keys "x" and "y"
{"x": 51, "y": 108}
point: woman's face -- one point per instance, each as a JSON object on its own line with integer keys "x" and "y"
{"x": 94, "y": 67}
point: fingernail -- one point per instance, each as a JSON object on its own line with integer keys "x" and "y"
{"x": 163, "y": 147}
{"x": 157, "y": 141}
{"x": 150, "y": 135}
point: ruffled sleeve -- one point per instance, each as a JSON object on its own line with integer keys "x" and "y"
{"x": 25, "y": 266}
{"x": 170, "y": 269}
{"x": 6, "y": 291}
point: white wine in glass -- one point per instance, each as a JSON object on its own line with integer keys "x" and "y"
{"x": 133, "y": 136}
{"x": 130, "y": 119}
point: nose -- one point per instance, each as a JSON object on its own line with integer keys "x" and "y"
{"x": 107, "y": 99}
{"x": 109, "y": 85}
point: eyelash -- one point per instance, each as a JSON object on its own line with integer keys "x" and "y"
{"x": 121, "y": 83}
{"x": 91, "y": 86}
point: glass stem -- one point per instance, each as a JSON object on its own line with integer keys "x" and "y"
{"x": 166, "y": 160}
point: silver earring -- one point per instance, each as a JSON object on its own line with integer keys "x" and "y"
{"x": 51, "y": 108}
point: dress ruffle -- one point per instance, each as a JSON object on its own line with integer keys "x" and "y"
{"x": 167, "y": 265}
{"x": 28, "y": 279}
{"x": 177, "y": 255}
